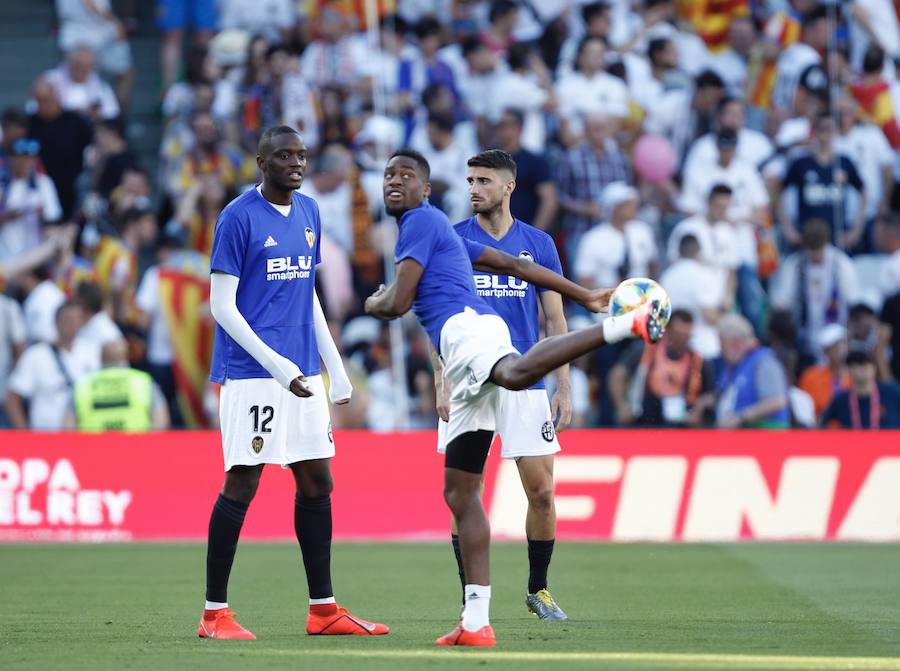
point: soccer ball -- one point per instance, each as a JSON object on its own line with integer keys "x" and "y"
{"x": 634, "y": 292}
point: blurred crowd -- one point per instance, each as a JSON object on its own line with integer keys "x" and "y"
{"x": 742, "y": 152}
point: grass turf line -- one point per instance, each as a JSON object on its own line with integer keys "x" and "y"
{"x": 631, "y": 607}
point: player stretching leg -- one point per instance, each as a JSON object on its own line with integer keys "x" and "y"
{"x": 271, "y": 332}
{"x": 525, "y": 420}
{"x": 434, "y": 278}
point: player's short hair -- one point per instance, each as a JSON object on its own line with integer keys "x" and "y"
{"x": 688, "y": 246}
{"x": 494, "y": 159}
{"x": 709, "y": 79}
{"x": 592, "y": 10}
{"x": 680, "y": 314}
{"x": 265, "y": 140}
{"x": 720, "y": 189}
{"x": 421, "y": 161}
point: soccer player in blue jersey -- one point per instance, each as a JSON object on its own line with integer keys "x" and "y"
{"x": 270, "y": 336}
{"x": 525, "y": 419}
{"x": 434, "y": 279}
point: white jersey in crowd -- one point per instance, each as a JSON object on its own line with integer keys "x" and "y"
{"x": 40, "y": 311}
{"x": 604, "y": 249}
{"x": 695, "y": 286}
{"x": 747, "y": 187}
{"x": 36, "y": 201}
{"x": 12, "y": 334}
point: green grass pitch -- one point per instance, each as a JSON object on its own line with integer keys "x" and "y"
{"x": 630, "y": 607}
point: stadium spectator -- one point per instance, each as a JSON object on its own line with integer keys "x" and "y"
{"x": 175, "y": 17}
{"x": 794, "y": 60}
{"x": 116, "y": 397}
{"x": 685, "y": 115}
{"x": 666, "y": 384}
{"x": 112, "y": 157}
{"x": 478, "y": 80}
{"x": 820, "y": 180}
{"x": 42, "y": 298}
{"x": 294, "y": 100}
{"x": 751, "y": 389}
{"x": 864, "y": 334}
{"x": 527, "y": 87}
{"x": 44, "y": 376}
{"x": 448, "y": 168}
{"x": 582, "y": 175}
{"x": 701, "y": 289}
{"x": 868, "y": 403}
{"x": 438, "y": 100}
{"x": 824, "y": 380}
{"x": 818, "y": 285}
{"x": 749, "y": 196}
{"x": 92, "y": 24}
{"x": 753, "y": 147}
{"x": 535, "y": 198}
{"x": 80, "y": 88}
{"x": 63, "y": 137}
{"x": 12, "y": 344}
{"x": 273, "y": 19}
{"x": 13, "y": 126}
{"x": 589, "y": 90}
{"x": 333, "y": 58}
{"x": 661, "y": 77}
{"x": 99, "y": 329}
{"x": 502, "y": 17}
{"x": 28, "y": 200}
{"x": 621, "y": 247}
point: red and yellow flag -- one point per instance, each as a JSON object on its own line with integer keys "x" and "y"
{"x": 875, "y": 101}
{"x": 711, "y": 18}
{"x": 184, "y": 297}
{"x": 781, "y": 31}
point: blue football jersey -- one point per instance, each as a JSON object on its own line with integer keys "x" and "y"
{"x": 275, "y": 257}
{"x": 515, "y": 300}
{"x": 446, "y": 287}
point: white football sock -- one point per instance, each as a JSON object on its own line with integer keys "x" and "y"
{"x": 216, "y": 605}
{"x": 317, "y": 602}
{"x": 478, "y": 603}
{"x": 616, "y": 329}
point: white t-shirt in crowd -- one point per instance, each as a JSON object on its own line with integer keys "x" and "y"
{"x": 100, "y": 330}
{"x": 882, "y": 19}
{"x": 753, "y": 148}
{"x": 84, "y": 96}
{"x": 748, "y": 189}
{"x": 40, "y": 312}
{"x": 12, "y": 332}
{"x": 525, "y": 94}
{"x": 695, "y": 286}
{"x": 790, "y": 65}
{"x": 159, "y": 340}
{"x": 39, "y": 378}
{"x": 602, "y": 94}
{"x": 37, "y": 201}
{"x": 79, "y": 26}
{"x": 869, "y": 150}
{"x": 602, "y": 252}
{"x": 257, "y": 17}
{"x": 722, "y": 245}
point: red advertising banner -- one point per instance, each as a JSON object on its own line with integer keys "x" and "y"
{"x": 611, "y": 485}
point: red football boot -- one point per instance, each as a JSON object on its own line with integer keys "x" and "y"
{"x": 220, "y": 623}
{"x": 483, "y": 638}
{"x": 332, "y": 620}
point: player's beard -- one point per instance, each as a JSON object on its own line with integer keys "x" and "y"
{"x": 396, "y": 211}
{"x": 488, "y": 209}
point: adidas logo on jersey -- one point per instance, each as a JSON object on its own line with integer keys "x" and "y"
{"x": 270, "y": 242}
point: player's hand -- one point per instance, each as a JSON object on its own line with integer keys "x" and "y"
{"x": 597, "y": 300}
{"x": 297, "y": 387}
{"x": 442, "y": 398}
{"x": 561, "y": 408}
{"x": 371, "y": 300}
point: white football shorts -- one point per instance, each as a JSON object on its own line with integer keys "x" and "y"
{"x": 524, "y": 424}
{"x": 264, "y": 423}
{"x": 471, "y": 344}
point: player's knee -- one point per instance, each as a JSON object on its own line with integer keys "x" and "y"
{"x": 460, "y": 495}
{"x": 540, "y": 499}
{"x": 317, "y": 485}
{"x": 240, "y": 486}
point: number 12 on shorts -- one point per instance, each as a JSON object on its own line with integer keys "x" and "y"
{"x": 266, "y": 413}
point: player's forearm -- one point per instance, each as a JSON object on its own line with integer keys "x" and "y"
{"x": 763, "y": 409}
{"x": 537, "y": 274}
{"x": 557, "y": 325}
{"x": 339, "y": 381}
{"x": 223, "y": 305}
{"x": 386, "y": 306}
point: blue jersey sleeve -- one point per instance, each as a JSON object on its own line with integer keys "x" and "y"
{"x": 416, "y": 240}
{"x": 473, "y": 249}
{"x": 229, "y": 244}
{"x": 550, "y": 259}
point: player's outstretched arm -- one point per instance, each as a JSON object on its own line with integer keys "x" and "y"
{"x": 339, "y": 387}
{"x": 397, "y": 299}
{"x": 223, "y": 305}
{"x": 494, "y": 261}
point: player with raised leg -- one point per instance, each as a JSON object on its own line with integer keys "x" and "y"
{"x": 270, "y": 335}
{"x": 525, "y": 418}
{"x": 434, "y": 279}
